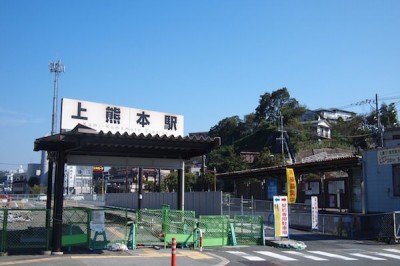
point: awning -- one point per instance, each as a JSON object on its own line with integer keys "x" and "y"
{"x": 317, "y": 167}
{"x": 85, "y": 141}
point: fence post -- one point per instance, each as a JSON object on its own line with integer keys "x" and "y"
{"x": 394, "y": 227}
{"x": 48, "y": 229}
{"x": 252, "y": 205}
{"x": 241, "y": 205}
{"x": 173, "y": 257}
{"x": 229, "y": 205}
{"x": 4, "y": 233}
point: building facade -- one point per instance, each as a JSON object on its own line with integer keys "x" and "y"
{"x": 78, "y": 180}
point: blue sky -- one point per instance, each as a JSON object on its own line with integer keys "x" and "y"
{"x": 205, "y": 60}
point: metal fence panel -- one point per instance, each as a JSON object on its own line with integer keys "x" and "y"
{"x": 386, "y": 228}
{"x": 75, "y": 227}
{"x": 24, "y": 229}
{"x": 181, "y": 222}
{"x": 249, "y": 230}
{"x": 116, "y": 229}
{"x": 150, "y": 225}
{"x": 215, "y": 229}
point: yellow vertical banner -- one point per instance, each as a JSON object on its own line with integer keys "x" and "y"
{"x": 291, "y": 185}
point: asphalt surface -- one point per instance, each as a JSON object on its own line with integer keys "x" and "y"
{"x": 141, "y": 256}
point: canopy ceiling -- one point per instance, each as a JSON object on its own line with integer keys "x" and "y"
{"x": 84, "y": 141}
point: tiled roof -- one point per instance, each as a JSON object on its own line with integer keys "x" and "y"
{"x": 84, "y": 141}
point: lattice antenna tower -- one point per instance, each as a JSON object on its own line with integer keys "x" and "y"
{"x": 56, "y": 68}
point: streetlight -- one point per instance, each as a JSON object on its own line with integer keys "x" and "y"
{"x": 57, "y": 68}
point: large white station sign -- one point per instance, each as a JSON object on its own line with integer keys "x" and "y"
{"x": 108, "y": 117}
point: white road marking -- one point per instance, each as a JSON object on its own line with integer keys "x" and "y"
{"x": 361, "y": 255}
{"x": 246, "y": 256}
{"x": 311, "y": 257}
{"x": 392, "y": 250}
{"x": 393, "y": 256}
{"x": 331, "y": 255}
{"x": 275, "y": 255}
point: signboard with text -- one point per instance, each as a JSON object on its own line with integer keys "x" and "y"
{"x": 389, "y": 156}
{"x": 291, "y": 186}
{"x": 272, "y": 188}
{"x": 314, "y": 213}
{"x": 108, "y": 117}
{"x": 281, "y": 215}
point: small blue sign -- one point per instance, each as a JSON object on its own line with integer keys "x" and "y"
{"x": 272, "y": 188}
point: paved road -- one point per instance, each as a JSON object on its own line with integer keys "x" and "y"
{"x": 320, "y": 250}
{"x": 142, "y": 256}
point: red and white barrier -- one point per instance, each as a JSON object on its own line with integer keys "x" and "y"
{"x": 173, "y": 257}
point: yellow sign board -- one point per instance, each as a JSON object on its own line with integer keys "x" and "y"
{"x": 281, "y": 216}
{"x": 291, "y": 185}
{"x": 98, "y": 168}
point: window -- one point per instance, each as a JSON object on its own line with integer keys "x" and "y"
{"x": 396, "y": 180}
{"x": 396, "y": 136}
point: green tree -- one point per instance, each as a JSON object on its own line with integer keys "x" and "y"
{"x": 225, "y": 159}
{"x": 171, "y": 181}
{"x": 227, "y": 129}
{"x": 273, "y": 105}
{"x": 389, "y": 115}
{"x": 352, "y": 133}
{"x": 150, "y": 185}
{"x": 205, "y": 182}
{"x": 264, "y": 159}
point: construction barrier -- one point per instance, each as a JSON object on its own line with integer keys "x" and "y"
{"x": 110, "y": 227}
{"x": 180, "y": 225}
{"x": 84, "y": 228}
{"x": 215, "y": 230}
{"x": 24, "y": 229}
{"x": 249, "y": 230}
{"x": 150, "y": 226}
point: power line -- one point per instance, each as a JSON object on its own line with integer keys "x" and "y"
{"x": 12, "y": 163}
{"x": 369, "y": 101}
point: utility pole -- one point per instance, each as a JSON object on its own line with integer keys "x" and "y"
{"x": 378, "y": 118}
{"x": 55, "y": 68}
{"x": 282, "y": 147}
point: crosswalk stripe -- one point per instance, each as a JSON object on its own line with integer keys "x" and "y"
{"x": 361, "y": 255}
{"x": 393, "y": 256}
{"x": 332, "y": 255}
{"x": 246, "y": 256}
{"x": 392, "y": 250}
{"x": 277, "y": 256}
{"x": 376, "y": 256}
{"x": 311, "y": 257}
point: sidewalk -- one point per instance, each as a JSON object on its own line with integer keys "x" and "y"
{"x": 141, "y": 256}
